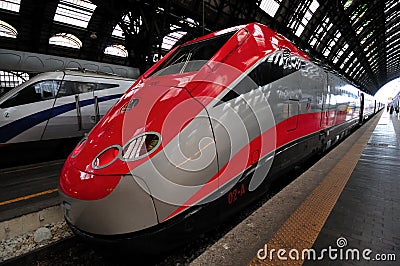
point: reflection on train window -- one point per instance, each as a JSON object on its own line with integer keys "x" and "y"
{"x": 74, "y": 87}
{"x": 192, "y": 57}
{"x": 103, "y": 86}
{"x": 272, "y": 69}
{"x": 37, "y": 92}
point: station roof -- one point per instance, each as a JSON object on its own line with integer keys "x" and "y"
{"x": 360, "y": 39}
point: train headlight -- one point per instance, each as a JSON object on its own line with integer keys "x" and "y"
{"x": 79, "y": 147}
{"x": 136, "y": 148}
{"x": 106, "y": 157}
{"x": 141, "y": 146}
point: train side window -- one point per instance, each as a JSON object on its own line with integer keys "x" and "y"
{"x": 68, "y": 88}
{"x": 104, "y": 86}
{"x": 84, "y": 87}
{"x": 273, "y": 68}
{"x": 266, "y": 73}
{"x": 37, "y": 92}
{"x": 48, "y": 88}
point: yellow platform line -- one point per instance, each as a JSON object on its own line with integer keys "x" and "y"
{"x": 302, "y": 228}
{"x": 28, "y": 197}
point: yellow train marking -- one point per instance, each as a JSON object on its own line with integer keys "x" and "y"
{"x": 28, "y": 197}
{"x": 302, "y": 228}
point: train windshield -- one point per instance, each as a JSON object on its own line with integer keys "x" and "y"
{"x": 191, "y": 57}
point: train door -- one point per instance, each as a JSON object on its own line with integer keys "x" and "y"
{"x": 362, "y": 104}
{"x": 106, "y": 94}
{"x": 73, "y": 109}
{"x": 25, "y": 113}
{"x": 328, "y": 114}
{"x": 325, "y": 107}
{"x": 293, "y": 114}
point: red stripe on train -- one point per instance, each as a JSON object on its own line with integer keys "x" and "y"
{"x": 285, "y": 132}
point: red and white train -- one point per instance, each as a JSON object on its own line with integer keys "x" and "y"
{"x": 201, "y": 134}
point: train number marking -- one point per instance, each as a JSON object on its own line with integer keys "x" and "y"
{"x": 235, "y": 194}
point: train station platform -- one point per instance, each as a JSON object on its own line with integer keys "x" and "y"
{"x": 29, "y": 198}
{"x": 344, "y": 210}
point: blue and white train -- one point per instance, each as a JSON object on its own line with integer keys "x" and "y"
{"x": 58, "y": 105}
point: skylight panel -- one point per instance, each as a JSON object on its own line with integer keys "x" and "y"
{"x": 355, "y": 69}
{"x": 6, "y": 30}
{"x": 116, "y": 50}
{"x": 392, "y": 16}
{"x": 346, "y": 60}
{"x": 134, "y": 26}
{"x": 337, "y": 56}
{"x": 367, "y": 37}
{"x": 74, "y": 12}
{"x": 299, "y": 30}
{"x": 348, "y": 68}
{"x": 313, "y": 42}
{"x": 392, "y": 36}
{"x": 9, "y": 80}
{"x": 390, "y": 4}
{"x": 118, "y": 32}
{"x": 66, "y": 40}
{"x": 321, "y": 32}
{"x": 350, "y": 55}
{"x": 10, "y": 5}
{"x": 394, "y": 25}
{"x": 347, "y": 4}
{"x": 313, "y": 6}
{"x": 358, "y": 13}
{"x": 331, "y": 43}
{"x": 326, "y": 30}
{"x": 270, "y": 6}
{"x": 370, "y": 47}
{"x": 170, "y": 39}
{"x": 190, "y": 22}
{"x": 327, "y": 51}
{"x": 393, "y": 48}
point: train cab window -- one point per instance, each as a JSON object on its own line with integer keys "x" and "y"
{"x": 191, "y": 57}
{"x": 41, "y": 91}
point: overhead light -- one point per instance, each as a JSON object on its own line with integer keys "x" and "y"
{"x": 93, "y": 35}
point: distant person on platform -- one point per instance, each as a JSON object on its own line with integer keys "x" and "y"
{"x": 387, "y": 108}
{"x": 391, "y": 109}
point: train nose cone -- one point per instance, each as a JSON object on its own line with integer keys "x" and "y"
{"x": 125, "y": 209}
{"x": 86, "y": 186}
{"x": 104, "y": 204}
{"x": 110, "y": 181}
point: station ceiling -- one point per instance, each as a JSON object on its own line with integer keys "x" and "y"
{"x": 360, "y": 39}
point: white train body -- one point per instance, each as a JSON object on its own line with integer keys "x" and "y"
{"x": 56, "y": 105}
